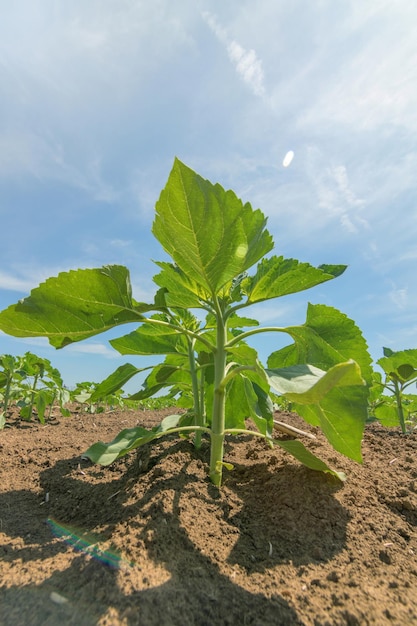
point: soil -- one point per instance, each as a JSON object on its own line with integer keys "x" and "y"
{"x": 149, "y": 541}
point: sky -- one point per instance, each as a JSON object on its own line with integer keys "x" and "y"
{"x": 97, "y": 98}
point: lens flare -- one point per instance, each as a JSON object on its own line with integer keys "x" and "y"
{"x": 288, "y": 158}
{"x": 81, "y": 543}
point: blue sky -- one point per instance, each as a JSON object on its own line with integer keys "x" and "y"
{"x": 97, "y": 98}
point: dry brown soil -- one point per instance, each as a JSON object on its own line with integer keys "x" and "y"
{"x": 149, "y": 541}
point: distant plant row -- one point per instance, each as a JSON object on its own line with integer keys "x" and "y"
{"x": 35, "y": 388}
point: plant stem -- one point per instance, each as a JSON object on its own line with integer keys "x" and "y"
{"x": 256, "y": 331}
{"x": 32, "y": 395}
{"x": 196, "y": 394}
{"x": 219, "y": 402}
{"x": 400, "y": 411}
{"x": 7, "y": 394}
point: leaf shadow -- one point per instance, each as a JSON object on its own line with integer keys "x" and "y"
{"x": 289, "y": 515}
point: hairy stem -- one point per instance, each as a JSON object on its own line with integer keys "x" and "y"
{"x": 219, "y": 403}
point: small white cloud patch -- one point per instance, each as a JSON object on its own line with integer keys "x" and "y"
{"x": 288, "y": 158}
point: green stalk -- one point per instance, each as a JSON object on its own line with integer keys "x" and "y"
{"x": 400, "y": 411}
{"x": 7, "y": 395}
{"x": 32, "y": 397}
{"x": 219, "y": 403}
{"x": 198, "y": 417}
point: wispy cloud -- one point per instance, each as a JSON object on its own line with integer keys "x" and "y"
{"x": 374, "y": 81}
{"x": 97, "y": 349}
{"x": 334, "y": 192}
{"x": 246, "y": 62}
{"x": 14, "y": 283}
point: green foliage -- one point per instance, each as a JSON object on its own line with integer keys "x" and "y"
{"x": 399, "y": 408}
{"x": 31, "y": 383}
{"x": 209, "y": 369}
{"x": 88, "y": 394}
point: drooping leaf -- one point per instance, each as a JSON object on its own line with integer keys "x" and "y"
{"x": 335, "y": 400}
{"x": 127, "y": 440}
{"x": 328, "y": 337}
{"x": 307, "y": 384}
{"x": 263, "y": 411}
{"x": 307, "y": 458}
{"x": 240, "y": 398}
{"x": 74, "y": 305}
{"x": 209, "y": 233}
{"x": 276, "y": 277}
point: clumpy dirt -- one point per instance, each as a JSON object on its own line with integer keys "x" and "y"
{"x": 149, "y": 541}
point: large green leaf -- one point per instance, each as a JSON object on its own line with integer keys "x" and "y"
{"x": 209, "y": 233}
{"x": 328, "y": 337}
{"x": 150, "y": 339}
{"x": 307, "y": 458}
{"x": 277, "y": 277}
{"x": 74, "y": 305}
{"x": 335, "y": 400}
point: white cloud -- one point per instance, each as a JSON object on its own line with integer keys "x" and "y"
{"x": 373, "y": 83}
{"x": 399, "y": 296}
{"x": 120, "y": 243}
{"x": 334, "y": 192}
{"x": 246, "y": 62}
{"x": 14, "y": 283}
{"x": 97, "y": 349}
{"x": 248, "y": 66}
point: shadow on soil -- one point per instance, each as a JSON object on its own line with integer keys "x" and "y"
{"x": 286, "y": 515}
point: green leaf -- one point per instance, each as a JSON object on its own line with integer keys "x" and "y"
{"x": 148, "y": 392}
{"x": 74, "y": 305}
{"x": 209, "y": 233}
{"x": 151, "y": 339}
{"x": 115, "y": 381}
{"x": 387, "y": 413}
{"x": 328, "y": 337}
{"x": 240, "y": 399}
{"x": 307, "y": 458}
{"x": 401, "y": 365}
{"x": 173, "y": 371}
{"x": 263, "y": 411}
{"x": 127, "y": 440}
{"x": 335, "y": 400}
{"x": 276, "y": 277}
{"x": 180, "y": 289}
{"x": 233, "y": 322}
{"x": 43, "y": 399}
{"x": 307, "y": 384}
